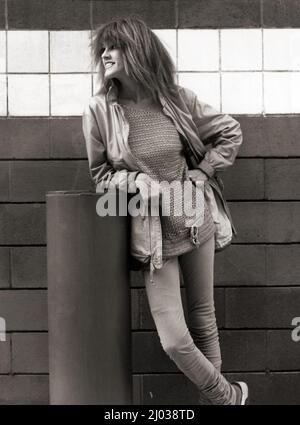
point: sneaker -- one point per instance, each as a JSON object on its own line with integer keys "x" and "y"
{"x": 243, "y": 387}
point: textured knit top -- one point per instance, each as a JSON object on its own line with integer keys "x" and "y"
{"x": 156, "y": 145}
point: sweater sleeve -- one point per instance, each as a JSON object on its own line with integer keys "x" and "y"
{"x": 102, "y": 173}
{"x": 221, "y": 131}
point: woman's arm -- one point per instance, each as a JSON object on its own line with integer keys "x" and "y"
{"x": 221, "y": 131}
{"x": 101, "y": 171}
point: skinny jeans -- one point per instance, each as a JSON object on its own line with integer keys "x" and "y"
{"x": 193, "y": 344}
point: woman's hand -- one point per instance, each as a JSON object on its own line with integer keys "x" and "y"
{"x": 150, "y": 191}
{"x": 197, "y": 174}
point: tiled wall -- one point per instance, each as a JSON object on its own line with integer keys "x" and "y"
{"x": 239, "y": 71}
{"x": 239, "y": 55}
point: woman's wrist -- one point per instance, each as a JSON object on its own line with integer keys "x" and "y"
{"x": 206, "y": 168}
{"x": 197, "y": 174}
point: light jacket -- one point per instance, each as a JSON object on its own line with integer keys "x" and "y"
{"x": 211, "y": 140}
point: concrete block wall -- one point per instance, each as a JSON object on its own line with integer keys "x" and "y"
{"x": 249, "y": 68}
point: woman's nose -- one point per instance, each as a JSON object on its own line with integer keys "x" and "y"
{"x": 105, "y": 54}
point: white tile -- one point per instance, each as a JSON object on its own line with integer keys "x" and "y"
{"x": 282, "y": 92}
{"x": 282, "y": 49}
{"x": 96, "y": 83}
{"x": 27, "y": 51}
{"x": 70, "y": 93}
{"x": 28, "y": 95}
{"x": 241, "y": 49}
{"x": 198, "y": 50}
{"x": 3, "y": 109}
{"x": 205, "y": 85}
{"x": 242, "y": 92}
{"x": 2, "y": 51}
{"x": 168, "y": 38}
{"x": 70, "y": 51}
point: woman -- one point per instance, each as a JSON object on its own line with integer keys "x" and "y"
{"x": 134, "y": 127}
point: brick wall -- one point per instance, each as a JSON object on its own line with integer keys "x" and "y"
{"x": 42, "y": 149}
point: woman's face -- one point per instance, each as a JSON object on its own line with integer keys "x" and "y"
{"x": 112, "y": 60}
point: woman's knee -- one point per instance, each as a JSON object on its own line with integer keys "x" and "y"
{"x": 177, "y": 345}
{"x": 203, "y": 320}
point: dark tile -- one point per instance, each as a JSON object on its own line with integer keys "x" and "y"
{"x": 69, "y": 14}
{"x": 27, "y": 14}
{"x": 168, "y": 389}
{"x": 66, "y": 138}
{"x": 4, "y": 181}
{"x": 283, "y": 388}
{"x": 250, "y": 175}
{"x": 148, "y": 354}
{"x": 241, "y": 265}
{"x": 24, "y": 389}
{"x": 30, "y": 352}
{"x": 2, "y": 14}
{"x": 264, "y": 136}
{"x": 261, "y": 307}
{"x": 54, "y": 14}
{"x": 29, "y": 266}
{"x": 156, "y": 13}
{"x": 24, "y": 310}
{"x": 244, "y": 350}
{"x": 267, "y": 222}
{"x": 282, "y": 178}
{"x": 136, "y": 279}
{"x": 24, "y": 138}
{"x": 219, "y": 13}
{"x": 6, "y": 141}
{"x": 137, "y": 383}
{"x": 22, "y": 224}
{"x": 282, "y": 264}
{"x": 4, "y": 268}
{"x": 31, "y": 180}
{"x": 5, "y": 356}
{"x": 283, "y": 351}
{"x": 281, "y": 13}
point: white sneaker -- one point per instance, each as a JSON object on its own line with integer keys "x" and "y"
{"x": 244, "y": 389}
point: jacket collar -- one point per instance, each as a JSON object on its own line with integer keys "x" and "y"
{"x": 112, "y": 92}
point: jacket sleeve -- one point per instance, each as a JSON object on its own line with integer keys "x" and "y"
{"x": 101, "y": 171}
{"x": 221, "y": 131}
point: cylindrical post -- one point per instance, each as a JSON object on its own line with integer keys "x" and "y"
{"x": 88, "y": 302}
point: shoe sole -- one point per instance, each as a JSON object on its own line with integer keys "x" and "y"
{"x": 245, "y": 391}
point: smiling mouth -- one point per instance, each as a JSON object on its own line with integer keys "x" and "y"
{"x": 109, "y": 65}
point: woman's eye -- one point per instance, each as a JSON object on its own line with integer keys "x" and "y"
{"x": 111, "y": 47}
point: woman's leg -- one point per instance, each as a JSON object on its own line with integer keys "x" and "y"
{"x": 197, "y": 268}
{"x": 165, "y": 303}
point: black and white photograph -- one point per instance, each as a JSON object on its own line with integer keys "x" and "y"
{"x": 150, "y": 205}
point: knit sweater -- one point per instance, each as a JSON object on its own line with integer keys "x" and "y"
{"x": 156, "y": 145}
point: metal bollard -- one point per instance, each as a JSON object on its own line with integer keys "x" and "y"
{"x": 89, "y": 309}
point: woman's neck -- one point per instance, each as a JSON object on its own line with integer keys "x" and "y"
{"x": 130, "y": 92}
